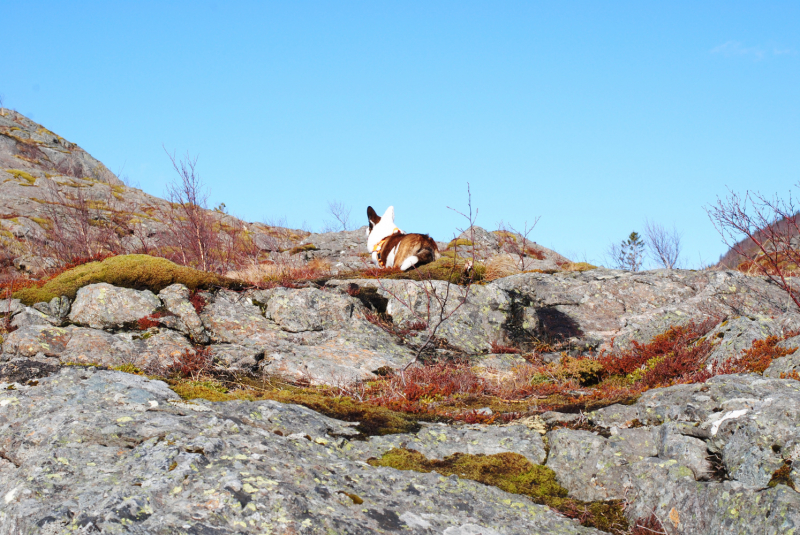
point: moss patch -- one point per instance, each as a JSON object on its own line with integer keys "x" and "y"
{"x": 445, "y": 269}
{"x": 461, "y": 242}
{"x": 513, "y": 473}
{"x": 42, "y": 222}
{"x": 782, "y": 476}
{"x": 373, "y": 420}
{"x": 303, "y": 248}
{"x": 579, "y": 266}
{"x": 140, "y": 272}
{"x": 22, "y": 175}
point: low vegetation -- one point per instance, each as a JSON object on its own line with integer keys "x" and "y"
{"x": 457, "y": 391}
{"x": 513, "y": 473}
{"x": 452, "y": 268}
{"x": 140, "y": 272}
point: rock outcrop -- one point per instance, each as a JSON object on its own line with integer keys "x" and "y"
{"x": 86, "y": 451}
{"x": 329, "y": 334}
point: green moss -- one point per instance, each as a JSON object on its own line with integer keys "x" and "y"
{"x": 22, "y": 175}
{"x": 513, "y": 473}
{"x": 303, "y": 248}
{"x": 355, "y": 497}
{"x": 372, "y": 420}
{"x": 783, "y": 476}
{"x": 128, "y": 368}
{"x": 459, "y": 243}
{"x": 445, "y": 269}
{"x": 505, "y": 235}
{"x": 585, "y": 371}
{"x": 140, "y": 272}
{"x": 42, "y": 222}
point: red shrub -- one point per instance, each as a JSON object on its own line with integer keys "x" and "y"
{"x": 150, "y": 321}
{"x": 673, "y": 356}
{"x": 414, "y": 389}
{"x": 197, "y": 302}
{"x": 191, "y": 363}
{"x": 648, "y": 526}
{"x": 760, "y": 355}
{"x": 499, "y": 349}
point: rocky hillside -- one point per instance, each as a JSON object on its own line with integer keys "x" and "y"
{"x": 139, "y": 396}
{"x": 84, "y": 448}
{"x": 52, "y": 191}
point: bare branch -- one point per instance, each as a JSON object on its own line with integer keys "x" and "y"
{"x": 770, "y": 227}
{"x": 341, "y": 213}
{"x": 664, "y": 245}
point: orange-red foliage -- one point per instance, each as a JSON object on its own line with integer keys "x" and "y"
{"x": 648, "y": 526}
{"x": 198, "y": 302}
{"x": 499, "y": 349}
{"x": 675, "y": 356}
{"x": 758, "y": 358}
{"x": 191, "y": 363}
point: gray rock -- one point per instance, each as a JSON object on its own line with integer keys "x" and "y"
{"x": 103, "y": 306}
{"x": 141, "y": 461}
{"x": 176, "y": 301}
{"x": 310, "y": 309}
{"x": 594, "y": 307}
{"x": 594, "y": 468}
{"x": 58, "y": 307}
{"x": 94, "y": 346}
{"x": 475, "y": 317}
{"x": 232, "y": 318}
{"x": 9, "y": 307}
{"x": 345, "y": 250}
{"x": 30, "y": 316}
{"x": 734, "y": 336}
{"x": 688, "y": 451}
{"x": 33, "y": 339}
{"x": 335, "y": 357}
{"x": 158, "y": 349}
{"x": 788, "y": 364}
{"x": 234, "y": 357}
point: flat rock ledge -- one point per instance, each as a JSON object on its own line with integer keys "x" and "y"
{"x": 87, "y": 451}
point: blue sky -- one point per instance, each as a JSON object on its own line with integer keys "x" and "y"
{"x": 592, "y": 115}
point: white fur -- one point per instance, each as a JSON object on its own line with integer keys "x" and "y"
{"x": 384, "y": 228}
{"x": 408, "y": 263}
{"x": 390, "y": 258}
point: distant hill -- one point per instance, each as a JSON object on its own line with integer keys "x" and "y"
{"x": 58, "y": 202}
{"x": 731, "y": 259}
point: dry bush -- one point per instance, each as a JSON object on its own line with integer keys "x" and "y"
{"x": 82, "y": 227}
{"x": 284, "y": 270}
{"x": 208, "y": 240}
{"x": 769, "y": 228}
{"x": 664, "y": 245}
{"x": 191, "y": 363}
{"x": 517, "y": 242}
{"x": 758, "y": 357}
{"x": 501, "y": 266}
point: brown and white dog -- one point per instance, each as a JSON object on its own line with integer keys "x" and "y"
{"x": 391, "y": 247}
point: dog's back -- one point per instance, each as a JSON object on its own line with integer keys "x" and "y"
{"x": 408, "y": 250}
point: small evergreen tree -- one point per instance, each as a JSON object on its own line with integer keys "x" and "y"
{"x": 628, "y": 255}
{"x": 632, "y": 252}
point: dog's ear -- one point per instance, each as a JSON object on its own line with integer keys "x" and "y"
{"x": 373, "y": 217}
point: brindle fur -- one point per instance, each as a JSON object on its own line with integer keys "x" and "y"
{"x": 420, "y": 245}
